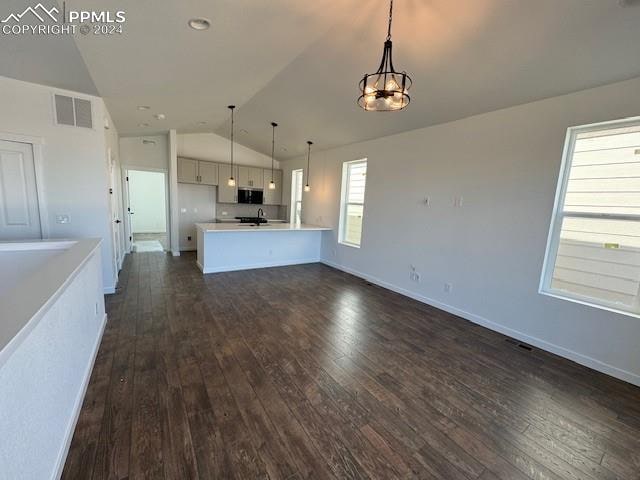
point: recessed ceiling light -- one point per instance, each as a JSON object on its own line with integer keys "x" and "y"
{"x": 143, "y": 124}
{"x": 143, "y": 107}
{"x": 160, "y": 116}
{"x": 199, "y": 23}
{"x": 202, "y": 123}
{"x": 243, "y": 131}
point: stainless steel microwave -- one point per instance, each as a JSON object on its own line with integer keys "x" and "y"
{"x": 246, "y": 195}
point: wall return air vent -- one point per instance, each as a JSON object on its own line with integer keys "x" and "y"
{"x": 75, "y": 112}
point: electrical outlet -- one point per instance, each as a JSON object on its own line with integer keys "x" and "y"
{"x": 458, "y": 201}
{"x": 427, "y": 201}
{"x": 63, "y": 219}
{"x": 448, "y": 288}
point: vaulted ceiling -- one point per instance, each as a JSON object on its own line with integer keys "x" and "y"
{"x": 298, "y": 63}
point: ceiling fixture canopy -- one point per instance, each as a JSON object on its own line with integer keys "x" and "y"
{"x": 272, "y": 184}
{"x": 232, "y": 181}
{"x": 307, "y": 187}
{"x": 386, "y": 90}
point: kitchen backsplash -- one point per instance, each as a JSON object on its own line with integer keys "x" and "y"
{"x": 244, "y": 210}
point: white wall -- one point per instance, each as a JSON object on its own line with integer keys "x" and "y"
{"x": 197, "y": 204}
{"x": 208, "y": 146}
{"x": 134, "y": 152}
{"x": 505, "y": 164}
{"x": 74, "y": 168}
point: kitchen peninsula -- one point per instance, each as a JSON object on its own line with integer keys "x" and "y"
{"x": 225, "y": 247}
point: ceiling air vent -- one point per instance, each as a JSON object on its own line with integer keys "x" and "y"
{"x": 73, "y": 111}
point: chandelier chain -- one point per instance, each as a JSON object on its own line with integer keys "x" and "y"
{"x": 390, "y": 19}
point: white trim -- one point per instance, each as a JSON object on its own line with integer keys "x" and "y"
{"x": 20, "y": 138}
{"x": 585, "y": 360}
{"x": 77, "y": 407}
{"x": 109, "y": 290}
{"x": 233, "y": 268}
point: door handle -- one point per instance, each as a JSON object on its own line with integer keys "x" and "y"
{"x": 118, "y": 221}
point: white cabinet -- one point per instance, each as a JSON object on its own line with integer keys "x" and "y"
{"x": 227, "y": 194}
{"x": 250, "y": 177}
{"x": 256, "y": 177}
{"x": 197, "y": 171}
{"x": 243, "y": 177}
{"x": 272, "y": 197}
{"x": 208, "y": 173}
{"x": 187, "y": 170}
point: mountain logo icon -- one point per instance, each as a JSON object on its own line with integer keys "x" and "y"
{"x": 39, "y": 11}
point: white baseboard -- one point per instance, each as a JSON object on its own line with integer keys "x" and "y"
{"x": 577, "y": 357}
{"x": 175, "y": 253}
{"x": 232, "y": 268}
{"x": 62, "y": 457}
{"x": 109, "y": 290}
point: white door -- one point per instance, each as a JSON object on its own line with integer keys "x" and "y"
{"x": 116, "y": 222}
{"x": 19, "y": 213}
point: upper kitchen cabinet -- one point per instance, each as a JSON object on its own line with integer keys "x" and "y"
{"x": 197, "y": 171}
{"x": 250, "y": 177}
{"x": 227, "y": 194}
{"x": 272, "y": 197}
{"x": 187, "y": 170}
{"x": 208, "y": 173}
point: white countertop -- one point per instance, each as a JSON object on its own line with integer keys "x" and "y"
{"x": 248, "y": 227}
{"x": 32, "y": 291}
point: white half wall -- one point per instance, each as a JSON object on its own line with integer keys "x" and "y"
{"x": 505, "y": 165}
{"x": 74, "y": 167}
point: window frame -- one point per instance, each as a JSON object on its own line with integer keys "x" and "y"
{"x": 296, "y": 196}
{"x": 558, "y": 215}
{"x": 344, "y": 205}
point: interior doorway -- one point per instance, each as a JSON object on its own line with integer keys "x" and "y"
{"x": 146, "y": 210}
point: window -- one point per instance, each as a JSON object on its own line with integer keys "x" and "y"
{"x": 354, "y": 179}
{"x": 296, "y": 196}
{"x": 593, "y": 253}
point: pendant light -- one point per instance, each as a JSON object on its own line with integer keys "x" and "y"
{"x": 307, "y": 187}
{"x": 386, "y": 89}
{"x": 272, "y": 184}
{"x": 232, "y": 181}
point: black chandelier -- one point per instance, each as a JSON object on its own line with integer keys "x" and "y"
{"x": 386, "y": 90}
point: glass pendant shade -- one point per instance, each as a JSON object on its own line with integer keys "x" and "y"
{"x": 307, "y": 188}
{"x": 386, "y": 90}
{"x": 231, "y": 182}
{"x": 272, "y": 185}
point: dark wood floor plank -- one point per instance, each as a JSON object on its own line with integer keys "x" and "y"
{"x": 306, "y": 372}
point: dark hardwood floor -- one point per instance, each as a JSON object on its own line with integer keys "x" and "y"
{"x": 307, "y": 372}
